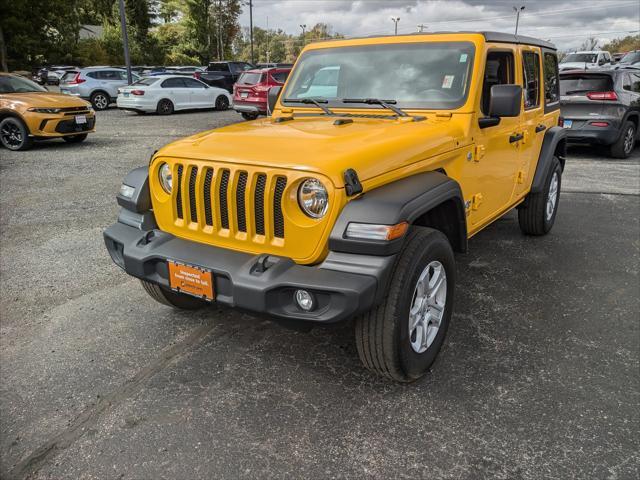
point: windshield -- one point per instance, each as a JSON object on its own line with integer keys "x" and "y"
{"x": 422, "y": 75}
{"x": 15, "y": 84}
{"x": 580, "y": 57}
{"x": 631, "y": 57}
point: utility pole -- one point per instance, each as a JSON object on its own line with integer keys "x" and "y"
{"x": 303, "y": 27}
{"x": 251, "y": 27}
{"x": 518, "y": 10}
{"x": 125, "y": 41}
{"x": 422, "y": 26}
{"x": 268, "y": 40}
{"x": 395, "y": 20}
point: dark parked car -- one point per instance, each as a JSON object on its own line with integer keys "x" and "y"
{"x": 602, "y": 107}
{"x": 223, "y": 74}
{"x": 251, "y": 90}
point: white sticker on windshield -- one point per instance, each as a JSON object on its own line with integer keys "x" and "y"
{"x": 447, "y": 82}
{"x": 463, "y": 57}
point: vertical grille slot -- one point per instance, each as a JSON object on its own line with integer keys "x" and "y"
{"x": 278, "y": 218}
{"x": 240, "y": 204}
{"x": 258, "y": 201}
{"x": 179, "y": 192}
{"x": 222, "y": 199}
{"x": 208, "y": 215}
{"x": 193, "y": 213}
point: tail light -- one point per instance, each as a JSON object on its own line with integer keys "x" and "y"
{"x": 76, "y": 80}
{"x": 196, "y": 75}
{"x": 610, "y": 96}
{"x": 600, "y": 124}
{"x": 137, "y": 92}
{"x": 561, "y": 121}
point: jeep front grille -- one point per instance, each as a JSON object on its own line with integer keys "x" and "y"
{"x": 235, "y": 201}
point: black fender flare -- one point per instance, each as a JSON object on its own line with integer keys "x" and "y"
{"x": 402, "y": 201}
{"x": 554, "y": 137}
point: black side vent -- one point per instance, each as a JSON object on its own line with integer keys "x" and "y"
{"x": 222, "y": 200}
{"x": 208, "y": 215}
{"x": 278, "y": 218}
{"x": 179, "y": 192}
{"x": 240, "y": 206}
{"x": 192, "y": 194}
{"x": 258, "y": 201}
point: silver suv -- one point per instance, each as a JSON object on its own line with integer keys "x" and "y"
{"x": 99, "y": 85}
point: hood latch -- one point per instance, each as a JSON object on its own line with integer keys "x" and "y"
{"x": 351, "y": 182}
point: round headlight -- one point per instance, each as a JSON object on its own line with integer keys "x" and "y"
{"x": 313, "y": 198}
{"x": 166, "y": 178}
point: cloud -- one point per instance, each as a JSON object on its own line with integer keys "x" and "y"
{"x": 566, "y": 23}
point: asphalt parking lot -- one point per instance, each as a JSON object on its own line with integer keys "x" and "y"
{"x": 538, "y": 379}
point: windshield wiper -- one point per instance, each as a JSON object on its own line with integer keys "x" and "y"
{"x": 389, "y": 104}
{"x": 313, "y": 101}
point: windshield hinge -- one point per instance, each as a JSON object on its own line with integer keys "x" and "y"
{"x": 351, "y": 182}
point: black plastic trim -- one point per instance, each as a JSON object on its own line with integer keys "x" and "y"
{"x": 137, "y": 178}
{"x": 552, "y": 138}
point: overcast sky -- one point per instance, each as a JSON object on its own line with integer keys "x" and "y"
{"x": 566, "y": 23}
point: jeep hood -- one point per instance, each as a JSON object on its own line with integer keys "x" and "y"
{"x": 315, "y": 144}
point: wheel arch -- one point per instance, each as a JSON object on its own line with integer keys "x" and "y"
{"x": 553, "y": 145}
{"x": 429, "y": 199}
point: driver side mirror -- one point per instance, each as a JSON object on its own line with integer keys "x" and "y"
{"x": 504, "y": 101}
{"x": 272, "y": 98}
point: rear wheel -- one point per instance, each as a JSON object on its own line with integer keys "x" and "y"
{"x": 222, "y": 102}
{"x": 100, "y": 100}
{"x": 165, "y": 107}
{"x": 76, "y": 138}
{"x": 172, "y": 299}
{"x": 627, "y": 141}
{"x": 537, "y": 214}
{"x": 14, "y": 134}
{"x": 400, "y": 338}
{"x": 249, "y": 116}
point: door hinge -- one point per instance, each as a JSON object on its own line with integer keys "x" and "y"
{"x": 476, "y": 201}
{"x": 479, "y": 154}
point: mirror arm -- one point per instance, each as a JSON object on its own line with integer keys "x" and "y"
{"x": 485, "y": 122}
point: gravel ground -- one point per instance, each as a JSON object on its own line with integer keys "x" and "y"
{"x": 538, "y": 379}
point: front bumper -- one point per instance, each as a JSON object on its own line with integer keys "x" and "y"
{"x": 344, "y": 285}
{"x": 59, "y": 125}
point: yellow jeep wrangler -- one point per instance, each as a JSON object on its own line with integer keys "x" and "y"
{"x": 381, "y": 158}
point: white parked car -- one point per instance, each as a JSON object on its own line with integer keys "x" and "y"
{"x": 585, "y": 60}
{"x": 165, "y": 94}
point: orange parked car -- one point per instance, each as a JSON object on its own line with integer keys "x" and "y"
{"x": 30, "y": 112}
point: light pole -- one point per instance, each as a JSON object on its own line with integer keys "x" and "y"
{"x": 251, "y": 27}
{"x": 303, "y": 27}
{"x": 125, "y": 41}
{"x": 518, "y": 10}
{"x": 395, "y": 20}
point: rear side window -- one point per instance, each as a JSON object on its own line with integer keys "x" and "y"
{"x": 93, "y": 75}
{"x": 146, "y": 81}
{"x": 280, "y": 77}
{"x": 110, "y": 75}
{"x": 580, "y": 84}
{"x": 193, "y": 83}
{"x": 635, "y": 82}
{"x": 173, "y": 83}
{"x": 249, "y": 78}
{"x": 551, "y": 86}
{"x": 531, "y": 71}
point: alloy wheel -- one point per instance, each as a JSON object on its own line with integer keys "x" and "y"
{"x": 552, "y": 197}
{"x": 629, "y": 140}
{"x": 100, "y": 101}
{"x": 427, "y": 307}
{"x": 11, "y": 135}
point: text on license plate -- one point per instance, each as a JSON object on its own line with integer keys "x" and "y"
{"x": 80, "y": 119}
{"x": 244, "y": 94}
{"x": 567, "y": 123}
{"x": 195, "y": 281}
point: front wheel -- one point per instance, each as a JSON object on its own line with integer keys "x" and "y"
{"x": 400, "y": 338}
{"x": 537, "y": 214}
{"x": 179, "y": 301}
{"x": 165, "y": 107}
{"x": 76, "y": 138}
{"x": 14, "y": 134}
{"x": 222, "y": 102}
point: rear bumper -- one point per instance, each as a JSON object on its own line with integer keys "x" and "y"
{"x": 595, "y": 135}
{"x": 246, "y": 107}
{"x": 344, "y": 285}
{"x": 137, "y": 104}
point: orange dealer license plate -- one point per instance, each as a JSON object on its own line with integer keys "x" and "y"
{"x": 192, "y": 280}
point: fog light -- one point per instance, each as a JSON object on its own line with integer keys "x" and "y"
{"x": 305, "y": 300}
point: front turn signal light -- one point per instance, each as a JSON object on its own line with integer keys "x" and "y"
{"x": 369, "y": 231}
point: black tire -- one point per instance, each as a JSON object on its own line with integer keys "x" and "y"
{"x": 179, "y": 301}
{"x": 100, "y": 100}
{"x": 81, "y": 137}
{"x": 626, "y": 143}
{"x": 533, "y": 216}
{"x": 249, "y": 116}
{"x": 222, "y": 102}
{"x": 14, "y": 134}
{"x": 165, "y": 107}
{"x": 383, "y": 336}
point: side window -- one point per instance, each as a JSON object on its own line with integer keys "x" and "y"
{"x": 551, "y": 84}
{"x": 280, "y": 77}
{"x": 191, "y": 83}
{"x": 626, "y": 82}
{"x": 110, "y": 75}
{"x": 531, "y": 74}
{"x": 173, "y": 83}
{"x": 498, "y": 71}
{"x": 93, "y": 75}
{"x": 635, "y": 83}
{"x": 123, "y": 75}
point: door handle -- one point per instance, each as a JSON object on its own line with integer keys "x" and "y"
{"x": 541, "y": 128}
{"x": 516, "y": 137}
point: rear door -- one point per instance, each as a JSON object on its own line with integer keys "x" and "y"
{"x": 175, "y": 90}
{"x": 199, "y": 96}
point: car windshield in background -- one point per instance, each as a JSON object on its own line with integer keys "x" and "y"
{"x": 416, "y": 75}
{"x": 581, "y": 84}
{"x": 11, "y": 84}
{"x": 580, "y": 57}
{"x": 249, "y": 78}
{"x": 146, "y": 81}
{"x": 631, "y": 57}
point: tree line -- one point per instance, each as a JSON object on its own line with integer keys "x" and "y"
{"x": 161, "y": 32}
